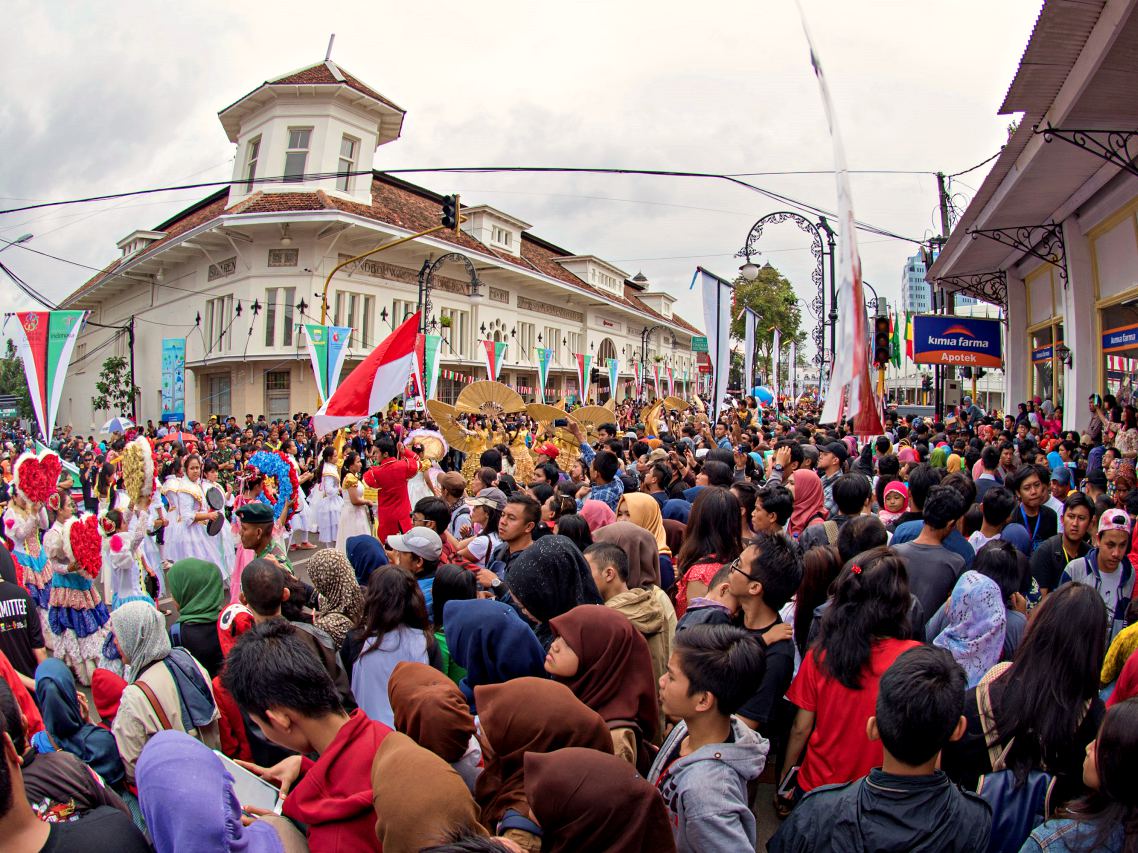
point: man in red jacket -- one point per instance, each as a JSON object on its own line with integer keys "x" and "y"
{"x": 268, "y": 672}
{"x": 397, "y": 465}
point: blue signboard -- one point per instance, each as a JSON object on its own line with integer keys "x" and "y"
{"x": 1043, "y": 353}
{"x": 1120, "y": 339}
{"x": 949, "y": 339}
{"x": 173, "y": 380}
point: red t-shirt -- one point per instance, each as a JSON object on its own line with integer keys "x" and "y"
{"x": 839, "y": 750}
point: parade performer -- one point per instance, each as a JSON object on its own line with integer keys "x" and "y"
{"x": 224, "y": 542}
{"x": 34, "y": 481}
{"x": 76, "y": 612}
{"x": 326, "y": 508}
{"x": 301, "y": 523}
{"x": 122, "y": 532}
{"x": 354, "y": 519}
{"x": 186, "y": 536}
{"x": 389, "y": 478}
{"x": 252, "y": 483}
{"x": 146, "y": 514}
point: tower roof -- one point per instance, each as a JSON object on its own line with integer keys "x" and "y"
{"x": 310, "y": 80}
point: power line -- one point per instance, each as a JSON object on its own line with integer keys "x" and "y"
{"x": 978, "y": 165}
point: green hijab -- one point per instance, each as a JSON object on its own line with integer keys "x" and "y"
{"x": 196, "y": 587}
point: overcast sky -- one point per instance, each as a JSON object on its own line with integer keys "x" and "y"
{"x": 102, "y": 98}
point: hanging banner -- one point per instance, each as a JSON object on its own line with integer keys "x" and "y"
{"x": 544, "y": 357}
{"x": 327, "y": 349}
{"x": 851, "y": 394}
{"x": 614, "y": 371}
{"x": 495, "y": 354}
{"x": 638, "y": 380}
{"x": 44, "y": 341}
{"x": 749, "y": 318}
{"x": 717, "y": 294}
{"x": 776, "y": 365}
{"x": 584, "y": 366}
{"x": 432, "y": 349}
{"x": 418, "y": 383}
{"x": 656, "y": 379}
{"x": 173, "y": 380}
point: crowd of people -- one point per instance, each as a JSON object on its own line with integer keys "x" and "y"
{"x": 603, "y": 637}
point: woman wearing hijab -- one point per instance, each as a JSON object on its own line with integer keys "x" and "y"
{"x": 939, "y": 457}
{"x": 977, "y": 620}
{"x": 188, "y": 801}
{"x": 605, "y": 662}
{"x": 419, "y": 800}
{"x": 953, "y": 463}
{"x": 431, "y": 710}
{"x": 341, "y": 603}
{"x": 597, "y": 514}
{"x": 166, "y": 688}
{"x": 643, "y": 511}
{"x": 68, "y": 726}
{"x": 366, "y": 555}
{"x": 511, "y": 729}
{"x": 586, "y": 800}
{"x": 491, "y": 642}
{"x": 549, "y": 578}
{"x": 809, "y": 503}
{"x": 197, "y": 589}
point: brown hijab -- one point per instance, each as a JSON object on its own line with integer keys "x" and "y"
{"x": 419, "y": 799}
{"x": 585, "y": 800}
{"x": 641, "y": 548}
{"x": 430, "y": 709}
{"x": 615, "y": 673}
{"x": 527, "y": 715}
{"x": 675, "y": 531}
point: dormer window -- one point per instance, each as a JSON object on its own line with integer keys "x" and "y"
{"x": 348, "y": 150}
{"x": 501, "y": 237}
{"x": 296, "y": 156}
{"x": 251, "y": 156}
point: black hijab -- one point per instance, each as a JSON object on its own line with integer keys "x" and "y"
{"x": 549, "y": 578}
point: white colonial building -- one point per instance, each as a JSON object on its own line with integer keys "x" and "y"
{"x": 239, "y": 273}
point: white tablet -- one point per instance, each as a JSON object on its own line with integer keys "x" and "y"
{"x": 251, "y": 789}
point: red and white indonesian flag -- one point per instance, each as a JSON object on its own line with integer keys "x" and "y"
{"x": 850, "y": 394}
{"x": 379, "y": 379}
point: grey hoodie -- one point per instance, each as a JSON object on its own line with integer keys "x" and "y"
{"x": 706, "y": 792}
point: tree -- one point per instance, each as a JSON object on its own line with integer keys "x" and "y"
{"x": 770, "y": 296}
{"x": 13, "y": 381}
{"x": 116, "y": 392}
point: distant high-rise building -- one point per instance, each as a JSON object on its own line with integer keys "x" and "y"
{"x": 916, "y": 293}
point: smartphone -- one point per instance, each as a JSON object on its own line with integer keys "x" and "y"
{"x": 251, "y": 789}
{"x": 786, "y": 788}
{"x": 561, "y": 422}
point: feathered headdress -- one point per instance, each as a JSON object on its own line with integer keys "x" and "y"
{"x": 138, "y": 469}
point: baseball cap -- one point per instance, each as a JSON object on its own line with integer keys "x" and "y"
{"x": 657, "y": 455}
{"x": 1061, "y": 476}
{"x": 1114, "y": 519}
{"x": 451, "y": 480}
{"x": 837, "y": 448}
{"x": 548, "y": 449}
{"x": 420, "y": 541}
{"x": 490, "y": 497}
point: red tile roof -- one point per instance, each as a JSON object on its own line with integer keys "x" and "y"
{"x": 321, "y": 74}
{"x": 404, "y": 205}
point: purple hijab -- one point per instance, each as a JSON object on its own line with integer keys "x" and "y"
{"x": 977, "y": 620}
{"x": 188, "y": 801}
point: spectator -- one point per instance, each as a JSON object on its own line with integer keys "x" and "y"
{"x": 933, "y": 569}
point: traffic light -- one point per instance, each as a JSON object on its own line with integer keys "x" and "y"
{"x": 450, "y": 211}
{"x": 926, "y": 383}
{"x": 966, "y": 373}
{"x": 880, "y": 342}
{"x": 980, "y": 372}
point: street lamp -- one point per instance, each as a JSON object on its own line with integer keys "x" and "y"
{"x": 427, "y": 272}
{"x": 23, "y": 238}
{"x": 749, "y": 270}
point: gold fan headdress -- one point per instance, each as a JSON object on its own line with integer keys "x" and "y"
{"x": 492, "y": 399}
{"x": 544, "y": 414}
{"x": 591, "y": 416}
{"x": 434, "y": 443}
{"x": 676, "y": 404}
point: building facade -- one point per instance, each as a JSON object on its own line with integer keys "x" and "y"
{"x": 238, "y": 274}
{"x": 1052, "y": 234}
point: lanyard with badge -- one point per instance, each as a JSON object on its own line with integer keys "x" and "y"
{"x": 1035, "y": 530}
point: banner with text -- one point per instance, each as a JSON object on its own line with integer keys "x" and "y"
{"x": 614, "y": 371}
{"x": 949, "y": 339}
{"x": 584, "y": 365}
{"x": 327, "y": 349}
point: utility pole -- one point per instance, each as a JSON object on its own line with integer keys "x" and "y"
{"x": 947, "y": 300}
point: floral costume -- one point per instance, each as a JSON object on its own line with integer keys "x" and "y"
{"x": 76, "y": 613}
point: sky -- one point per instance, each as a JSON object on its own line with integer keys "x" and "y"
{"x": 105, "y": 98}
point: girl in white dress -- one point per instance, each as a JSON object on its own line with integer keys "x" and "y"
{"x": 327, "y": 506}
{"x": 186, "y": 536}
{"x": 224, "y": 543}
{"x": 354, "y": 519}
{"x": 301, "y": 523}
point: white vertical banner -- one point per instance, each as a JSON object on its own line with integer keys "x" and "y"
{"x": 776, "y": 364}
{"x": 716, "y": 293}
{"x": 850, "y": 394}
{"x": 749, "y": 318}
{"x": 793, "y": 378}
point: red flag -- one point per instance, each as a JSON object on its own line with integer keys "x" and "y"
{"x": 381, "y": 377}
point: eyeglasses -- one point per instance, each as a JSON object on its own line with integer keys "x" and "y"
{"x": 736, "y": 565}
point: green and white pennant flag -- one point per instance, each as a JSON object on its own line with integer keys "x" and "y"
{"x": 495, "y": 353}
{"x": 44, "y": 341}
{"x": 544, "y": 357}
{"x": 432, "y": 349}
{"x": 327, "y": 349}
{"x": 614, "y": 372}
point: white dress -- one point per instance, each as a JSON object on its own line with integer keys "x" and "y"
{"x": 326, "y": 508}
{"x": 354, "y": 520}
{"x": 147, "y": 551}
{"x": 301, "y": 523}
{"x": 185, "y": 537}
{"x": 224, "y": 543}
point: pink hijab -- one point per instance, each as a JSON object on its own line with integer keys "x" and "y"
{"x": 597, "y": 514}
{"x": 808, "y": 501}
